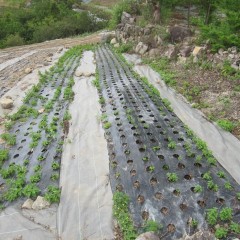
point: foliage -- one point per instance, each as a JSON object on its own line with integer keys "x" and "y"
{"x": 152, "y": 226}
{"x": 212, "y": 216}
{"x": 226, "y": 125}
{"x": 45, "y": 20}
{"x": 10, "y": 139}
{"x": 121, "y": 213}
{"x": 221, "y": 233}
{"x": 172, "y": 177}
{"x": 3, "y": 155}
{"x": 226, "y": 214}
{"x": 53, "y": 194}
{"x": 31, "y": 190}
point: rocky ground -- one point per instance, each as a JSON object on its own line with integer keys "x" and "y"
{"x": 209, "y": 81}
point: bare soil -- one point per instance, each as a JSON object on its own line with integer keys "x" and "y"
{"x": 211, "y": 92}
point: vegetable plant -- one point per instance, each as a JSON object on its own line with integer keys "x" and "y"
{"x": 172, "y": 177}
{"x": 198, "y": 189}
{"x": 10, "y": 139}
{"x": 53, "y": 194}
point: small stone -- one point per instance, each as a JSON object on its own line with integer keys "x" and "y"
{"x": 27, "y": 204}
{"x": 40, "y": 203}
{"x": 49, "y": 59}
{"x": 28, "y": 70}
{"x": 41, "y": 110}
{"x": 148, "y": 236}
{"x": 6, "y": 103}
{"x": 113, "y": 41}
{"x": 197, "y": 51}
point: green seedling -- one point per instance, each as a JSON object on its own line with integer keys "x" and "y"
{"x": 53, "y": 194}
{"x": 31, "y": 190}
{"x": 55, "y": 166}
{"x": 228, "y": 186}
{"x": 152, "y": 226}
{"x": 198, "y": 189}
{"x": 212, "y": 186}
{"x": 235, "y": 227}
{"x": 226, "y": 214}
{"x": 156, "y": 148}
{"x": 8, "y": 138}
{"x": 151, "y": 169}
{"x": 207, "y": 176}
{"x": 172, "y": 177}
{"x": 35, "y": 178}
{"x": 172, "y": 145}
{"x": 107, "y": 125}
{"x": 55, "y": 176}
{"x": 4, "y": 153}
{"x": 221, "y": 174}
{"x": 221, "y": 233}
{"x": 212, "y": 216}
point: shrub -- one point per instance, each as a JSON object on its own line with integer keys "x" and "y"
{"x": 14, "y": 40}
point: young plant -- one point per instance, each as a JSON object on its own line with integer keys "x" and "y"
{"x": 226, "y": 214}
{"x": 107, "y": 125}
{"x": 228, "y": 186}
{"x": 4, "y": 153}
{"x": 221, "y": 174}
{"x": 121, "y": 213}
{"x": 212, "y": 186}
{"x": 152, "y": 226}
{"x": 172, "y": 144}
{"x": 55, "y": 166}
{"x": 53, "y": 194}
{"x": 55, "y": 176}
{"x": 31, "y": 190}
{"x": 198, "y": 189}
{"x": 221, "y": 233}
{"x": 194, "y": 223}
{"x": 8, "y": 138}
{"x": 156, "y": 148}
{"x": 151, "y": 168}
{"x": 207, "y": 176}
{"x": 212, "y": 216}
{"x": 35, "y": 178}
{"x": 172, "y": 177}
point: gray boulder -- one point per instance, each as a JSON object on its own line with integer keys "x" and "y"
{"x": 178, "y": 33}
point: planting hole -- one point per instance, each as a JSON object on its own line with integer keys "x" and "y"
{"x": 164, "y": 210}
{"x": 188, "y": 177}
{"x": 133, "y": 172}
{"x": 153, "y": 181}
{"x": 176, "y": 155}
{"x": 183, "y": 206}
{"x": 165, "y": 167}
{"x": 201, "y": 203}
{"x": 140, "y": 199}
{"x": 17, "y": 131}
{"x": 138, "y": 142}
{"x": 180, "y": 139}
{"x": 175, "y": 132}
{"x": 158, "y": 196}
{"x": 142, "y": 149}
{"x": 119, "y": 188}
{"x": 136, "y": 184}
{"x": 130, "y": 162}
{"x": 152, "y": 140}
{"x": 15, "y": 156}
{"x": 161, "y": 157}
{"x": 181, "y": 166}
{"x": 145, "y": 215}
{"x": 176, "y": 192}
{"x": 171, "y": 228}
{"x": 26, "y": 134}
{"x": 20, "y": 147}
{"x": 149, "y": 134}
{"x": 198, "y": 165}
{"x": 220, "y": 201}
{"x": 24, "y": 140}
{"x": 133, "y": 128}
